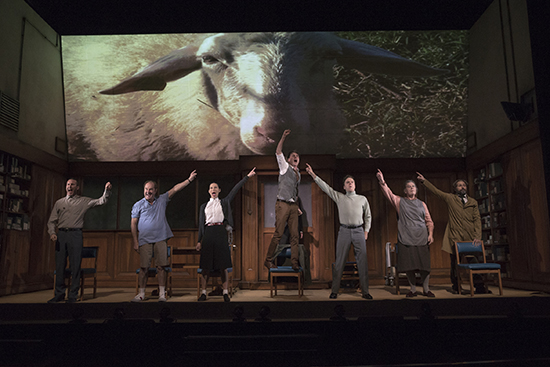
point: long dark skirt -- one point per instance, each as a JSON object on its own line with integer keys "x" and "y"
{"x": 413, "y": 258}
{"x": 215, "y": 253}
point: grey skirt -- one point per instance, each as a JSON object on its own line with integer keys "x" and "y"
{"x": 413, "y": 258}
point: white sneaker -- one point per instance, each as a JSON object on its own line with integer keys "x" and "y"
{"x": 162, "y": 298}
{"x": 137, "y": 298}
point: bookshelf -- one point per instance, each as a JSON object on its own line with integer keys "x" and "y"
{"x": 15, "y": 183}
{"x": 491, "y": 196}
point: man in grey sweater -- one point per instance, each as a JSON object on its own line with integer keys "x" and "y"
{"x": 355, "y": 220}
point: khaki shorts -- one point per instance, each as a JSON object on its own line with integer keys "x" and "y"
{"x": 160, "y": 254}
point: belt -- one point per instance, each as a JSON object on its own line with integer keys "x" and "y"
{"x": 286, "y": 201}
{"x": 214, "y": 224}
{"x": 351, "y": 227}
{"x": 69, "y": 229}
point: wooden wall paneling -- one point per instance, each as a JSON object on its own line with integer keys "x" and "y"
{"x": 184, "y": 238}
{"x": 46, "y": 188}
{"x": 528, "y": 214}
{"x": 534, "y": 176}
{"x": 105, "y": 241}
{"x": 324, "y": 239}
{"x": 126, "y": 260}
{"x": 251, "y": 244}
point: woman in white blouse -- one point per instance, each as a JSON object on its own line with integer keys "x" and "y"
{"x": 215, "y": 218}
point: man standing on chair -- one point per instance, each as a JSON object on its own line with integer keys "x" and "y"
{"x": 68, "y": 216}
{"x": 149, "y": 221}
{"x": 415, "y": 230}
{"x": 464, "y": 224}
{"x": 355, "y": 220}
{"x": 286, "y": 207}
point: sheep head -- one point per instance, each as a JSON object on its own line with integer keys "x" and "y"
{"x": 264, "y": 83}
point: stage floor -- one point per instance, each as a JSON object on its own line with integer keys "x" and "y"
{"x": 286, "y": 306}
{"x": 118, "y": 295}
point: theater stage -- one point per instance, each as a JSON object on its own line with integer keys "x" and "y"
{"x": 255, "y": 329}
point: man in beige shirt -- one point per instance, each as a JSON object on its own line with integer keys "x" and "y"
{"x": 68, "y": 216}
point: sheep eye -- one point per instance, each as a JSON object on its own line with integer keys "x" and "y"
{"x": 208, "y": 59}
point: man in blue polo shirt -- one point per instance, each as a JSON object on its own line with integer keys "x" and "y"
{"x": 149, "y": 220}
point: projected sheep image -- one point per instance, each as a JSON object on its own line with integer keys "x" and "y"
{"x": 219, "y": 96}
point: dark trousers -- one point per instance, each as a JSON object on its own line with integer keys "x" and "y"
{"x": 285, "y": 213}
{"x": 69, "y": 244}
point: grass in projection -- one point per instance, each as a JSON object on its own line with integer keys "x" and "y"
{"x": 218, "y": 96}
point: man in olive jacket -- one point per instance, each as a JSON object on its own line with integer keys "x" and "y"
{"x": 464, "y": 223}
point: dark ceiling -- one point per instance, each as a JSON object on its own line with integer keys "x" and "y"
{"x": 71, "y": 17}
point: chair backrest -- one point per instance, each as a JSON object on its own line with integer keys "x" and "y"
{"x": 469, "y": 247}
{"x": 88, "y": 252}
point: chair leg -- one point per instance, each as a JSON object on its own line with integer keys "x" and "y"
{"x": 81, "y": 288}
{"x": 198, "y": 285}
{"x": 54, "y": 280}
{"x": 95, "y": 285}
{"x": 271, "y": 288}
{"x": 499, "y": 284}
{"x": 471, "y": 283}
{"x": 300, "y": 285}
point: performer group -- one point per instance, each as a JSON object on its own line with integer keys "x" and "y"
{"x": 150, "y": 229}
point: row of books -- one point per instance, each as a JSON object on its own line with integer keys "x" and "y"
{"x": 18, "y": 222}
{"x": 16, "y": 169}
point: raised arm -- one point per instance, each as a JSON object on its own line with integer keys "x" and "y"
{"x": 281, "y": 142}
{"x": 181, "y": 185}
{"x": 240, "y": 184}
{"x": 310, "y": 171}
{"x": 103, "y": 199}
{"x": 394, "y": 199}
{"x": 431, "y": 187}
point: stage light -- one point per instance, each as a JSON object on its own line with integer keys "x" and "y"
{"x": 339, "y": 312}
{"x": 165, "y": 316}
{"x": 426, "y": 312}
{"x": 264, "y": 312}
{"x": 239, "y": 312}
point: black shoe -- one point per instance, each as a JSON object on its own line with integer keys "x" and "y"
{"x": 333, "y": 296}
{"x": 367, "y": 296}
{"x": 71, "y": 300}
{"x": 202, "y": 297}
{"x": 482, "y": 290}
{"x": 57, "y": 299}
{"x": 226, "y": 297}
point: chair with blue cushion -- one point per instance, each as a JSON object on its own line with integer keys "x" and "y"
{"x": 286, "y": 271}
{"x": 152, "y": 272}
{"x": 90, "y": 272}
{"x": 463, "y": 248}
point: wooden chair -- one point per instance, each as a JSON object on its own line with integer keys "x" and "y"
{"x": 286, "y": 271}
{"x": 484, "y": 267}
{"x": 152, "y": 272}
{"x": 90, "y": 272}
{"x": 393, "y": 278}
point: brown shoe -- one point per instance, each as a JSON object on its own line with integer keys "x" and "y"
{"x": 411, "y": 294}
{"x": 269, "y": 265}
{"x": 429, "y": 294}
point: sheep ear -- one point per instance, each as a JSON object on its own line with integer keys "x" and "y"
{"x": 173, "y": 66}
{"x": 372, "y": 59}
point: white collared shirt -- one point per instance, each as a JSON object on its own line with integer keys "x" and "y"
{"x": 213, "y": 211}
